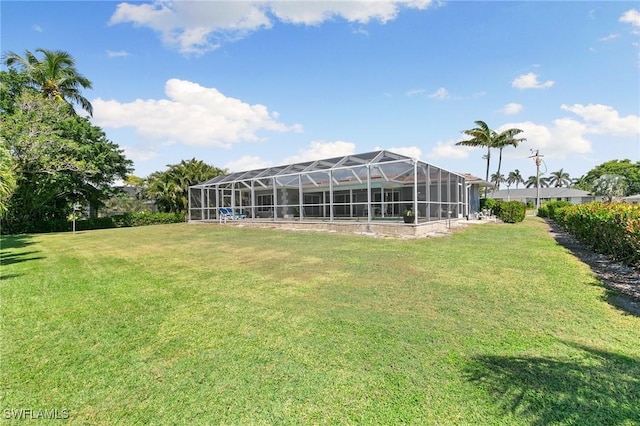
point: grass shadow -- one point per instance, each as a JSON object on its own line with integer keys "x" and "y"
{"x": 11, "y": 258}
{"x": 600, "y": 387}
{"x": 11, "y": 253}
{"x": 15, "y": 241}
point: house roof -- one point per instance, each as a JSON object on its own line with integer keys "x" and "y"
{"x": 551, "y": 192}
{"x": 471, "y": 179}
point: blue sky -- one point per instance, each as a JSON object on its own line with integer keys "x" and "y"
{"x": 244, "y": 84}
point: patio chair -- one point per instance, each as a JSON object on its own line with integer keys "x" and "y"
{"x": 227, "y": 213}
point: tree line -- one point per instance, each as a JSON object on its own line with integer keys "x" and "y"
{"x": 54, "y": 162}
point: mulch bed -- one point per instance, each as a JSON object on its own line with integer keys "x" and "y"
{"x": 622, "y": 281}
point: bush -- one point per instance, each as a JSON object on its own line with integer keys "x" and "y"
{"x": 550, "y": 208}
{"x": 116, "y": 221}
{"x": 511, "y": 211}
{"x": 487, "y": 203}
{"x": 608, "y": 228}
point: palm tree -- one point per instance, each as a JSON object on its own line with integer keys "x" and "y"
{"x": 482, "y": 136}
{"x": 55, "y": 75}
{"x": 560, "y": 178}
{"x": 532, "y": 182}
{"x": 515, "y": 178}
{"x": 504, "y": 139}
{"x": 170, "y": 188}
{"x": 497, "y": 179}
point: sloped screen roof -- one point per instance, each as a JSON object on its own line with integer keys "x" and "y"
{"x": 368, "y": 158}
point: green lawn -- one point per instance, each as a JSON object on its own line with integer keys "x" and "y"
{"x": 196, "y": 324}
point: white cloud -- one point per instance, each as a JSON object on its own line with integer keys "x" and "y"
{"x": 195, "y": 27}
{"x": 609, "y": 37}
{"x": 247, "y": 162}
{"x": 603, "y": 119}
{"x": 36, "y": 28}
{"x": 530, "y": 81}
{"x": 316, "y": 12}
{"x": 117, "y": 54}
{"x": 448, "y": 149}
{"x": 192, "y": 115}
{"x": 512, "y": 108}
{"x": 440, "y": 94}
{"x": 563, "y": 137}
{"x": 566, "y": 136}
{"x": 632, "y": 16}
{"x": 318, "y": 150}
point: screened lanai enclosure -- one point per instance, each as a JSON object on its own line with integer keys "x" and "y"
{"x": 374, "y": 186}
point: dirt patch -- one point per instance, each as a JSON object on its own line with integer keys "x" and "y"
{"x": 622, "y": 281}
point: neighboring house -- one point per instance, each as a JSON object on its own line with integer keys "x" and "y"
{"x": 474, "y": 186}
{"x": 631, "y": 199}
{"x": 572, "y": 195}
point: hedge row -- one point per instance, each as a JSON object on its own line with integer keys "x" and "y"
{"x": 117, "y": 221}
{"x": 612, "y": 229}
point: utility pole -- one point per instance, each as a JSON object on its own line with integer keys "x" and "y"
{"x": 538, "y": 160}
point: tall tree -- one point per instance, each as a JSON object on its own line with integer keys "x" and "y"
{"x": 484, "y": 137}
{"x": 505, "y": 139}
{"x": 532, "y": 182}
{"x": 497, "y": 179}
{"x": 54, "y": 75}
{"x": 559, "y": 179}
{"x": 480, "y": 137}
{"x": 515, "y": 178}
{"x": 59, "y": 159}
{"x": 630, "y": 171}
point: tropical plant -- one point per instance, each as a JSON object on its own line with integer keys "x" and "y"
{"x": 7, "y": 176}
{"x": 497, "y": 179}
{"x": 484, "y": 137}
{"x": 514, "y": 178}
{"x": 505, "y": 139}
{"x": 559, "y": 179}
{"x": 55, "y": 75}
{"x": 532, "y": 182}
{"x": 170, "y": 188}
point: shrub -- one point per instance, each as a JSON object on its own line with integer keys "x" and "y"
{"x": 512, "y": 211}
{"x": 116, "y": 221}
{"x": 550, "y": 208}
{"x": 487, "y": 203}
{"x": 608, "y": 228}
